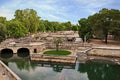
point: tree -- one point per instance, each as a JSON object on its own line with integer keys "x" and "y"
{"x": 42, "y": 26}
{"x": 68, "y": 25}
{"x": 29, "y": 18}
{"x": 57, "y": 41}
{"x": 75, "y": 28}
{"x": 2, "y": 28}
{"x": 3, "y": 20}
{"x": 55, "y": 26}
{"x": 116, "y": 29}
{"x": 2, "y": 32}
{"x": 47, "y": 25}
{"x": 85, "y": 30}
{"x": 115, "y": 23}
{"x": 61, "y": 27}
{"x": 16, "y": 29}
{"x": 101, "y": 22}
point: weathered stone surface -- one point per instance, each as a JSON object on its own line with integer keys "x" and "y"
{"x": 105, "y": 52}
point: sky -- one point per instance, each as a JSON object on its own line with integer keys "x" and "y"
{"x": 58, "y": 10}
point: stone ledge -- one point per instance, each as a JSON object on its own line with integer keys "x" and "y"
{"x": 9, "y": 71}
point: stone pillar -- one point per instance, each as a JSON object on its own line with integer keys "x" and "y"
{"x": 15, "y": 49}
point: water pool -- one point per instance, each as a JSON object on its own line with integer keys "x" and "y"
{"x": 28, "y": 70}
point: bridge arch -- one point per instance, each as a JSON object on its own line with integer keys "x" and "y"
{"x": 6, "y": 53}
{"x": 6, "y": 50}
{"x": 23, "y": 52}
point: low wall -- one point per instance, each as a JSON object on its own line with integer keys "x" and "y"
{"x": 105, "y": 51}
{"x": 98, "y": 53}
{"x": 50, "y": 58}
{"x": 8, "y": 72}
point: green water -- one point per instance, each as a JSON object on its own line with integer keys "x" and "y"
{"x": 28, "y": 70}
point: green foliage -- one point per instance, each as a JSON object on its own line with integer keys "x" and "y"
{"x": 75, "y": 27}
{"x": 46, "y": 26}
{"x": 29, "y": 18}
{"x": 102, "y": 23}
{"x": 27, "y": 21}
{"x": 57, "y": 41}
{"x": 41, "y": 26}
{"x": 55, "y": 26}
{"x": 61, "y": 27}
{"x": 2, "y": 32}
{"x": 68, "y": 25}
{"x": 60, "y": 52}
{"x": 16, "y": 29}
{"x": 116, "y": 29}
{"x": 85, "y": 30}
{"x": 3, "y": 20}
{"x": 32, "y": 22}
{"x": 2, "y": 28}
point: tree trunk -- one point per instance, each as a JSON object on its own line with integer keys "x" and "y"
{"x": 57, "y": 47}
{"x": 83, "y": 39}
{"x": 106, "y": 36}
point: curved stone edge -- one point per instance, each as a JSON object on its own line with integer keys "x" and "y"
{"x": 10, "y": 71}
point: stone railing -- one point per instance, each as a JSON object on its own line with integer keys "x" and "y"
{"x": 8, "y": 72}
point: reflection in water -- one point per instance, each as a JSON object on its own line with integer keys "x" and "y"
{"x": 70, "y": 74}
{"x": 38, "y": 71}
{"x": 23, "y": 54}
{"x": 28, "y": 70}
{"x": 57, "y": 68}
{"x": 77, "y": 65}
{"x": 62, "y": 75}
{"x": 6, "y": 55}
{"x": 100, "y": 71}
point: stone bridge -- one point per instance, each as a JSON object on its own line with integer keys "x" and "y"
{"x": 29, "y": 48}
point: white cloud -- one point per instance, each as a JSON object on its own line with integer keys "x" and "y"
{"x": 49, "y": 9}
{"x": 5, "y": 12}
{"x": 55, "y": 10}
{"x": 90, "y": 6}
{"x": 91, "y": 11}
{"x": 54, "y": 17}
{"x": 57, "y": 18}
{"x": 43, "y": 7}
{"x": 94, "y": 3}
{"x": 39, "y": 5}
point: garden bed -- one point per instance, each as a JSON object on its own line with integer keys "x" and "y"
{"x": 55, "y": 52}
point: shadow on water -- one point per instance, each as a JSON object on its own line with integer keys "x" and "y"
{"x": 6, "y": 55}
{"x": 100, "y": 71}
{"x": 23, "y": 54}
